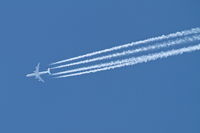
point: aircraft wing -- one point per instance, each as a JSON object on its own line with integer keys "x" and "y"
{"x": 37, "y": 68}
{"x": 39, "y": 78}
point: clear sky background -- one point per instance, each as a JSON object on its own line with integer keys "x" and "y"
{"x": 157, "y": 97}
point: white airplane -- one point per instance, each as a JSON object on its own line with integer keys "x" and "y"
{"x": 37, "y": 74}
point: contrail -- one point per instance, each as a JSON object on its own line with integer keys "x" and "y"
{"x": 125, "y": 60}
{"x": 172, "y": 35}
{"x": 128, "y": 52}
{"x": 141, "y": 59}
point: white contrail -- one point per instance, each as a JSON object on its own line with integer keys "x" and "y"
{"x": 125, "y": 60}
{"x": 172, "y": 35}
{"x": 141, "y": 59}
{"x": 128, "y": 52}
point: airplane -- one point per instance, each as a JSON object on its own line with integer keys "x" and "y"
{"x": 37, "y": 74}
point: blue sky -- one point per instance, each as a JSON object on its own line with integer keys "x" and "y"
{"x": 160, "y": 96}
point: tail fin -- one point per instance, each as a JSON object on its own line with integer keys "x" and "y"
{"x": 49, "y": 72}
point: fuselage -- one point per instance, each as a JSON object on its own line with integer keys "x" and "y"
{"x": 36, "y": 74}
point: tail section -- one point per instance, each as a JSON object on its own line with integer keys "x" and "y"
{"x": 49, "y": 72}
